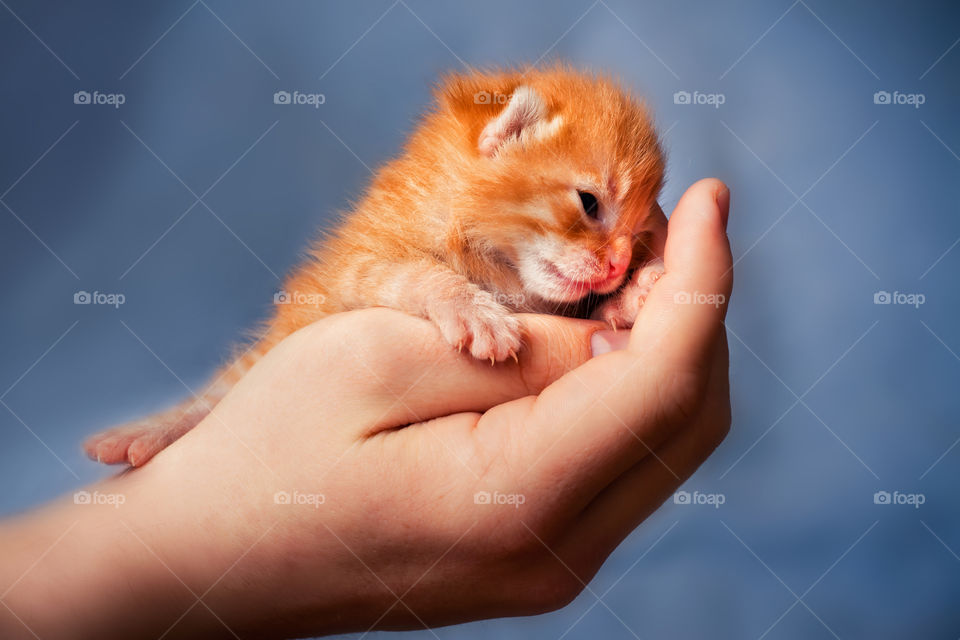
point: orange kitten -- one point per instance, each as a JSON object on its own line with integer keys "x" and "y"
{"x": 517, "y": 192}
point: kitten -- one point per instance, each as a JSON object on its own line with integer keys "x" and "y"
{"x": 518, "y": 192}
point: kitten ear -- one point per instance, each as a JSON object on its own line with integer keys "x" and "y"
{"x": 525, "y": 111}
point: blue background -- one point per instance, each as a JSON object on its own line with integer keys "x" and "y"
{"x": 834, "y": 199}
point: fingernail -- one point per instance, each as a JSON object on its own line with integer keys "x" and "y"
{"x": 723, "y": 203}
{"x": 605, "y": 341}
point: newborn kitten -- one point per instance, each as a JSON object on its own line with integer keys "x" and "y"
{"x": 518, "y": 192}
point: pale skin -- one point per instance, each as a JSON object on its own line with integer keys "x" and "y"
{"x": 201, "y": 548}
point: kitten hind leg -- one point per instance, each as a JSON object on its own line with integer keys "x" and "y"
{"x": 135, "y": 443}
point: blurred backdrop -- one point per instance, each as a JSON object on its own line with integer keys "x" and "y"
{"x": 144, "y": 155}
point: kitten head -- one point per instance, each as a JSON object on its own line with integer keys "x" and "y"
{"x": 560, "y": 172}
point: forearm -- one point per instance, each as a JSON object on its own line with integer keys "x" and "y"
{"x": 186, "y": 547}
{"x": 100, "y": 566}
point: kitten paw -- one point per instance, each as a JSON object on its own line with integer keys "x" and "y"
{"x": 137, "y": 442}
{"x": 621, "y": 311}
{"x": 481, "y": 325}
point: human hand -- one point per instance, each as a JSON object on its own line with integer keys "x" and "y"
{"x": 341, "y": 485}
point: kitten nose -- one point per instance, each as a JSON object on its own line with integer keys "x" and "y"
{"x": 618, "y": 266}
{"x": 619, "y": 257}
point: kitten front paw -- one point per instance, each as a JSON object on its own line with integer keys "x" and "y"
{"x": 621, "y": 310}
{"x": 480, "y": 324}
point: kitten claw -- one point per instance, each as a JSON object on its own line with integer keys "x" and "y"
{"x": 514, "y": 356}
{"x": 475, "y": 323}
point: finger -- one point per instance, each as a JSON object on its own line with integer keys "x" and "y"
{"x": 686, "y": 305}
{"x": 620, "y": 507}
{"x": 411, "y": 374}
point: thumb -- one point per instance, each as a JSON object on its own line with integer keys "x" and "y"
{"x": 686, "y": 306}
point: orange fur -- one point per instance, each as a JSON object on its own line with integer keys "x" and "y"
{"x": 478, "y": 218}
